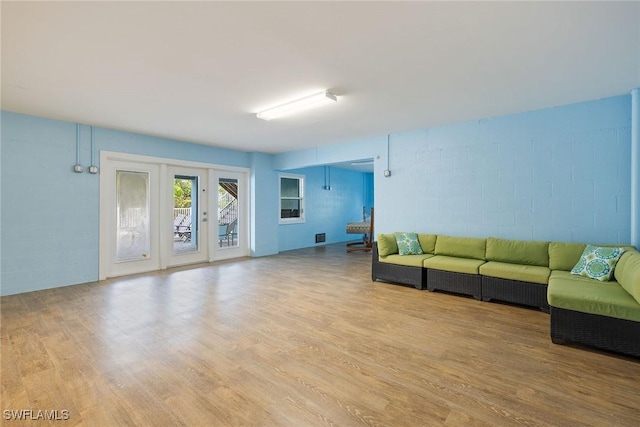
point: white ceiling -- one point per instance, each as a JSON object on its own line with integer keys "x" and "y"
{"x": 199, "y": 71}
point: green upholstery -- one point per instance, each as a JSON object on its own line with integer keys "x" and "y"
{"x": 427, "y": 242}
{"x": 586, "y": 295}
{"x": 387, "y": 244}
{"x": 523, "y": 273}
{"x": 462, "y": 247}
{"x": 407, "y": 260}
{"x": 518, "y": 252}
{"x": 564, "y": 256}
{"x": 627, "y": 273}
{"x": 456, "y": 265}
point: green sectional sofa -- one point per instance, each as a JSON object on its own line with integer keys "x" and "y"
{"x": 529, "y": 273}
{"x": 600, "y": 314}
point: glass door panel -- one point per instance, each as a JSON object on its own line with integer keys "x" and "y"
{"x": 186, "y": 218}
{"x": 186, "y": 234}
{"x": 128, "y": 218}
{"x": 228, "y": 205}
{"x": 132, "y": 217}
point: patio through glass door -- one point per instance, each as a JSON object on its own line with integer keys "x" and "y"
{"x": 188, "y": 216}
{"x": 228, "y": 212}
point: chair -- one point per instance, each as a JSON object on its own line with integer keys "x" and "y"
{"x": 229, "y": 233}
{"x": 184, "y": 229}
{"x": 177, "y": 221}
{"x": 367, "y": 239}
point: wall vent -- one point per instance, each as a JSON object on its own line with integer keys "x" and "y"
{"x": 320, "y": 237}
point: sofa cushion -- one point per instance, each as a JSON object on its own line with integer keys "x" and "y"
{"x": 454, "y": 264}
{"x": 408, "y": 244}
{"x": 427, "y": 242}
{"x": 598, "y": 262}
{"x": 387, "y": 244}
{"x": 518, "y": 252}
{"x": 564, "y": 256}
{"x": 461, "y": 247}
{"x": 406, "y": 260}
{"x": 523, "y": 273}
{"x": 627, "y": 273}
{"x": 586, "y": 295}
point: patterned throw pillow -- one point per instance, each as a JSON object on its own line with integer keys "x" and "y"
{"x": 598, "y": 262}
{"x": 408, "y": 244}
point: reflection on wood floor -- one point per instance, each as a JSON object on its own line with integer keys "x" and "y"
{"x": 303, "y": 338}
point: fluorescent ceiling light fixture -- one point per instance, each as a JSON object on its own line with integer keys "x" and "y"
{"x": 311, "y": 101}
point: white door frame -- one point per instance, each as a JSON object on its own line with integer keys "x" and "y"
{"x": 109, "y": 159}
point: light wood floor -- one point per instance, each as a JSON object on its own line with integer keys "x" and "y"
{"x": 299, "y": 339}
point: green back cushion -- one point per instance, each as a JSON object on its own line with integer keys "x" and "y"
{"x": 427, "y": 242}
{"x": 564, "y": 256}
{"x": 408, "y": 244}
{"x": 387, "y": 244}
{"x": 462, "y": 247}
{"x": 518, "y": 251}
{"x": 627, "y": 273}
{"x": 598, "y": 262}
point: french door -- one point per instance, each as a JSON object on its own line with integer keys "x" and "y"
{"x": 155, "y": 215}
{"x": 133, "y": 214}
{"x": 188, "y": 220}
{"x": 231, "y": 202}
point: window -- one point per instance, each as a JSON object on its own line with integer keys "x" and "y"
{"x": 291, "y": 198}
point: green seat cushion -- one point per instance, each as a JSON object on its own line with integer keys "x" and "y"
{"x": 387, "y": 244}
{"x": 407, "y": 260}
{"x": 586, "y": 295}
{"x": 462, "y": 247}
{"x": 454, "y": 264}
{"x": 627, "y": 273}
{"x": 518, "y": 251}
{"x": 427, "y": 242}
{"x": 523, "y": 273}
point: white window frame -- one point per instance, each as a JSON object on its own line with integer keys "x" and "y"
{"x": 294, "y": 220}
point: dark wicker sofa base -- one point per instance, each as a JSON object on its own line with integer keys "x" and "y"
{"x": 607, "y": 333}
{"x": 412, "y": 276}
{"x": 515, "y": 291}
{"x": 460, "y": 283}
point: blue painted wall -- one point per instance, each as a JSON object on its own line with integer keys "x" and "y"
{"x": 554, "y": 174}
{"x": 50, "y": 215}
{"x": 264, "y": 206}
{"x": 560, "y": 173}
{"x": 328, "y": 211}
